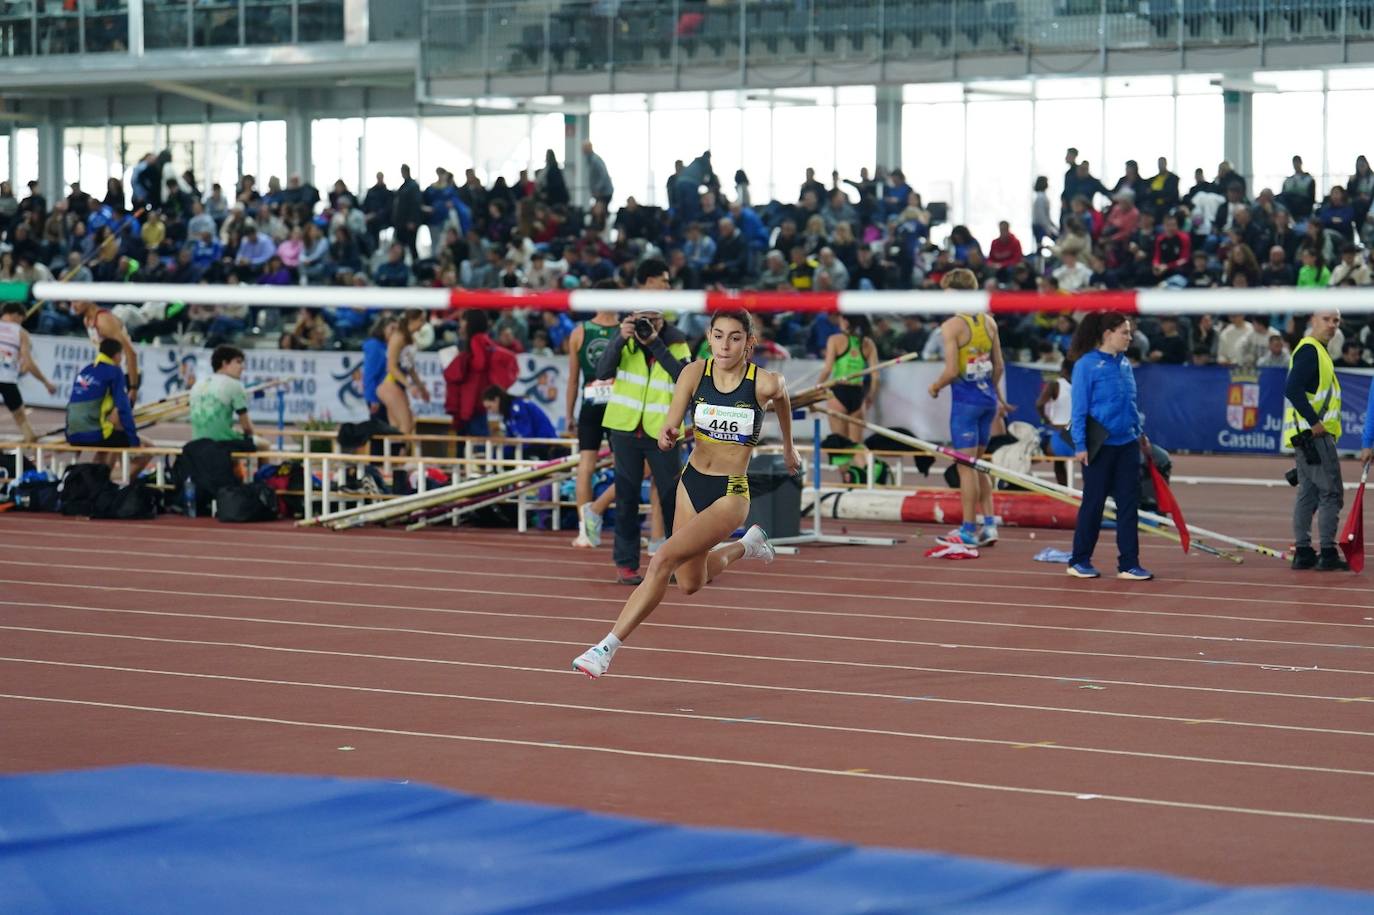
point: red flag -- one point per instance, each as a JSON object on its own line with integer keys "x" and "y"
{"x": 1168, "y": 505}
{"x": 1352, "y": 535}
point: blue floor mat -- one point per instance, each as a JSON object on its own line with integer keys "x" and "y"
{"x": 152, "y": 840}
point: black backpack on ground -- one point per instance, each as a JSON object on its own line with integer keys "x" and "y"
{"x": 37, "y": 496}
{"x": 135, "y": 502}
{"x": 246, "y": 502}
{"x": 82, "y": 485}
{"x": 209, "y": 466}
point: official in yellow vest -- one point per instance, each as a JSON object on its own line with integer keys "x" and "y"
{"x": 644, "y": 360}
{"x": 1311, "y": 427}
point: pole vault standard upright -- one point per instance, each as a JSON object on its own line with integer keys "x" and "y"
{"x": 888, "y": 302}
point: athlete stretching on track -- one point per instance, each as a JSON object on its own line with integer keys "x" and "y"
{"x": 728, "y": 395}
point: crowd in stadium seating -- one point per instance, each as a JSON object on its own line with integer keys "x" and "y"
{"x": 870, "y": 232}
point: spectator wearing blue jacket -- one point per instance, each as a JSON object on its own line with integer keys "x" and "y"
{"x": 99, "y": 413}
{"x": 374, "y": 365}
{"x": 1108, "y": 440}
{"x": 519, "y": 419}
{"x": 896, "y": 192}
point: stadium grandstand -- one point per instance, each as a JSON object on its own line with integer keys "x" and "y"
{"x": 497, "y": 323}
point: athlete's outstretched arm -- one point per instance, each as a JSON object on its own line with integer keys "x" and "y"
{"x": 683, "y": 388}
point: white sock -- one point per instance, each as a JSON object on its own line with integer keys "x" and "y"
{"x": 609, "y": 644}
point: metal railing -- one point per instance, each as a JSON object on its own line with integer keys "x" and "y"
{"x": 491, "y": 38}
{"x": 37, "y": 28}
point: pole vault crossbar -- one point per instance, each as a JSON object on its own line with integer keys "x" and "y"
{"x": 881, "y": 302}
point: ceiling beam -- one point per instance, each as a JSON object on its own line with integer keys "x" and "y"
{"x": 216, "y": 98}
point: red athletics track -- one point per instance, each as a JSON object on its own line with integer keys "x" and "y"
{"x": 1215, "y": 723}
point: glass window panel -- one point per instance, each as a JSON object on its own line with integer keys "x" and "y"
{"x": 215, "y": 24}
{"x": 4, "y": 157}
{"x": 166, "y": 24}
{"x": 1291, "y": 80}
{"x": 727, "y": 146}
{"x": 271, "y": 152}
{"x": 1199, "y": 141}
{"x": 673, "y": 135}
{"x": 1286, "y": 124}
{"x": 25, "y": 168}
{"x": 856, "y": 132}
{"x": 1352, "y": 78}
{"x": 820, "y": 95}
{"x": 547, "y": 133}
{"x": 856, "y": 95}
{"x": 679, "y": 101}
{"x": 1059, "y": 124}
{"x": 1137, "y": 128}
{"x": 447, "y": 143}
{"x": 803, "y": 137}
{"x": 222, "y": 158}
{"x": 999, "y": 173}
{"x": 267, "y": 21}
{"x": 388, "y": 144}
{"x": 622, "y": 139}
{"x": 1198, "y": 83}
{"x": 918, "y": 93}
{"x": 1347, "y": 131}
{"x": 132, "y": 143}
{"x": 1117, "y": 86}
{"x": 334, "y": 147}
{"x": 630, "y": 101}
{"x": 933, "y": 152}
{"x": 1068, "y": 88}
{"x": 1001, "y": 86}
{"x": 757, "y": 162}
{"x": 320, "y": 20}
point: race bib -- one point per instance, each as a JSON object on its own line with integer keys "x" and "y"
{"x": 598, "y": 392}
{"x": 726, "y": 424}
{"x": 978, "y": 369}
{"x": 9, "y": 360}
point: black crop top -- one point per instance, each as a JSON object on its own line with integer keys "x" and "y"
{"x": 730, "y": 417}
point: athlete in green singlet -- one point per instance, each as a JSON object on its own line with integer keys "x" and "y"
{"x": 846, "y": 355}
{"x": 585, "y": 345}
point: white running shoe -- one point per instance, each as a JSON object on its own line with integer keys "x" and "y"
{"x": 988, "y": 535}
{"x": 593, "y": 662}
{"x": 581, "y": 541}
{"x": 756, "y": 545}
{"x": 591, "y": 525}
{"x": 655, "y": 544}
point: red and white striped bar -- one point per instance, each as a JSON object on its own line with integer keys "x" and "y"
{"x": 917, "y": 301}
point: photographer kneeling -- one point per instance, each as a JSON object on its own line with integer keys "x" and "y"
{"x": 1311, "y": 426}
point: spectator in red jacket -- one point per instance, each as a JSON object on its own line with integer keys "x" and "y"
{"x": 1005, "y": 251}
{"x": 1173, "y": 250}
{"x": 468, "y": 375}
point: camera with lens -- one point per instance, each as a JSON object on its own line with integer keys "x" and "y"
{"x": 644, "y": 329}
{"x": 1304, "y": 442}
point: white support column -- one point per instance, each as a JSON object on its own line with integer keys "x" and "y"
{"x": 50, "y": 158}
{"x": 299, "y": 157}
{"x": 1238, "y": 133}
{"x": 889, "y": 127}
{"x": 135, "y": 28}
{"x": 576, "y": 130}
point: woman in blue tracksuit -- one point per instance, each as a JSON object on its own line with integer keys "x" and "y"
{"x": 1104, "y": 397}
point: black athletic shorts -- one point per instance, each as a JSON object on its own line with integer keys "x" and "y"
{"x": 705, "y": 489}
{"x": 590, "y": 432}
{"x": 13, "y": 399}
{"x": 850, "y": 396}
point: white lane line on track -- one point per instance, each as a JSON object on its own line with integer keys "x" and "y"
{"x": 863, "y": 665}
{"x": 762, "y": 722}
{"x": 718, "y": 586}
{"x": 330, "y": 541}
{"x": 707, "y": 760}
{"x": 780, "y": 633}
{"x": 696, "y": 605}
